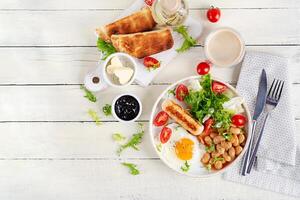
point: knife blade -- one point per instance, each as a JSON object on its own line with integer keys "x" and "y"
{"x": 259, "y": 106}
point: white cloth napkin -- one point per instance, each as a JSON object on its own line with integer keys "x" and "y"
{"x": 278, "y": 157}
{"x": 143, "y": 76}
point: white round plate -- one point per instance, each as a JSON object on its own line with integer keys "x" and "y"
{"x": 155, "y": 131}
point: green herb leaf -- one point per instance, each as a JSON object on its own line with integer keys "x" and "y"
{"x": 106, "y": 109}
{"x": 211, "y": 148}
{"x": 171, "y": 92}
{"x": 118, "y": 137}
{"x": 208, "y": 167}
{"x": 105, "y": 48}
{"x": 215, "y": 159}
{"x": 188, "y": 40}
{"x": 186, "y": 167}
{"x": 202, "y": 103}
{"x": 132, "y": 168}
{"x": 88, "y": 94}
{"x": 133, "y": 141}
{"x": 94, "y": 116}
{"x": 227, "y": 136}
{"x": 158, "y": 147}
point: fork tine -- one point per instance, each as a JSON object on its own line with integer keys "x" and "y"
{"x": 271, "y": 88}
{"x": 277, "y": 89}
{"x": 273, "y": 92}
{"x": 280, "y": 91}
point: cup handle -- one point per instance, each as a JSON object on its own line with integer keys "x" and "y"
{"x": 94, "y": 81}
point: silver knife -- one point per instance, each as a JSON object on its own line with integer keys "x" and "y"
{"x": 259, "y": 106}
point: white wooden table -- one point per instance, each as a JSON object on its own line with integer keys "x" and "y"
{"x": 50, "y": 148}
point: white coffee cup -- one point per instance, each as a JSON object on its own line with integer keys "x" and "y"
{"x": 224, "y": 47}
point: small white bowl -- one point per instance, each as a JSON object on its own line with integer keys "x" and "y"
{"x": 123, "y": 56}
{"x": 113, "y": 108}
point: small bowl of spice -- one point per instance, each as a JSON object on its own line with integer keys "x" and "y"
{"x": 126, "y": 108}
{"x": 119, "y": 70}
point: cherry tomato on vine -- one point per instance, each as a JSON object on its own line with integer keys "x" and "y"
{"x": 203, "y": 68}
{"x": 213, "y": 14}
{"x": 239, "y": 120}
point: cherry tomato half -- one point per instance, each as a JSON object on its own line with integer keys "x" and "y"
{"x": 218, "y": 87}
{"x": 239, "y": 120}
{"x": 181, "y": 92}
{"x": 161, "y": 118}
{"x": 203, "y": 68}
{"x": 213, "y": 14}
{"x": 149, "y": 2}
{"x": 151, "y": 62}
{"x": 206, "y": 131}
{"x": 165, "y": 135}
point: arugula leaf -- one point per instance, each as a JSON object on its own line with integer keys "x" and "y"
{"x": 106, "y": 109}
{"x": 118, "y": 137}
{"x": 172, "y": 92}
{"x": 188, "y": 40}
{"x": 202, "y": 103}
{"x": 88, "y": 94}
{"x": 186, "y": 167}
{"x": 211, "y": 148}
{"x": 134, "y": 140}
{"x": 94, "y": 116}
{"x": 105, "y": 48}
{"x": 132, "y": 168}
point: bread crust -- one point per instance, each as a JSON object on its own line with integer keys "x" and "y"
{"x": 144, "y": 44}
{"x": 137, "y": 22}
{"x": 182, "y": 117}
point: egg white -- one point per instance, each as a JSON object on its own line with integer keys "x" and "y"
{"x": 168, "y": 149}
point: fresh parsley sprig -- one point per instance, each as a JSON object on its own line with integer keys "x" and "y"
{"x": 185, "y": 167}
{"x": 93, "y": 114}
{"x": 106, "y": 109}
{"x": 132, "y": 167}
{"x": 88, "y": 94}
{"x": 135, "y": 140}
{"x": 188, "y": 42}
{"x": 105, "y": 48}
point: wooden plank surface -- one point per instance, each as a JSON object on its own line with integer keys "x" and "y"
{"x": 50, "y": 149}
{"x": 76, "y": 28}
{"x": 121, "y": 4}
{"x": 68, "y": 65}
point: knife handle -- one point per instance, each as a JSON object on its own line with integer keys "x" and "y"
{"x": 249, "y": 150}
{"x": 254, "y": 152}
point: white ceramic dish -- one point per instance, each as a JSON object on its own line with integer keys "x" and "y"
{"x": 154, "y": 131}
{"x": 113, "y": 108}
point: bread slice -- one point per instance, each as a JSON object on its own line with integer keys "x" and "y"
{"x": 143, "y": 44}
{"x": 137, "y": 22}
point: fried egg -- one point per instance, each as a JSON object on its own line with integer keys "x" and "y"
{"x": 182, "y": 147}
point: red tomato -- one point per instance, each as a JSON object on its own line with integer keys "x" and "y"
{"x": 149, "y": 2}
{"x": 207, "y": 126}
{"x": 218, "y": 87}
{"x": 161, "y": 118}
{"x": 165, "y": 134}
{"x": 213, "y": 14}
{"x": 239, "y": 120}
{"x": 151, "y": 62}
{"x": 203, "y": 68}
{"x": 181, "y": 92}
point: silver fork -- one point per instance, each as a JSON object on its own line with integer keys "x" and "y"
{"x": 273, "y": 98}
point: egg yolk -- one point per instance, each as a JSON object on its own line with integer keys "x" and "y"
{"x": 184, "y": 149}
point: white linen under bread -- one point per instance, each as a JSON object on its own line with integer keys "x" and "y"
{"x": 278, "y": 157}
{"x": 144, "y": 76}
